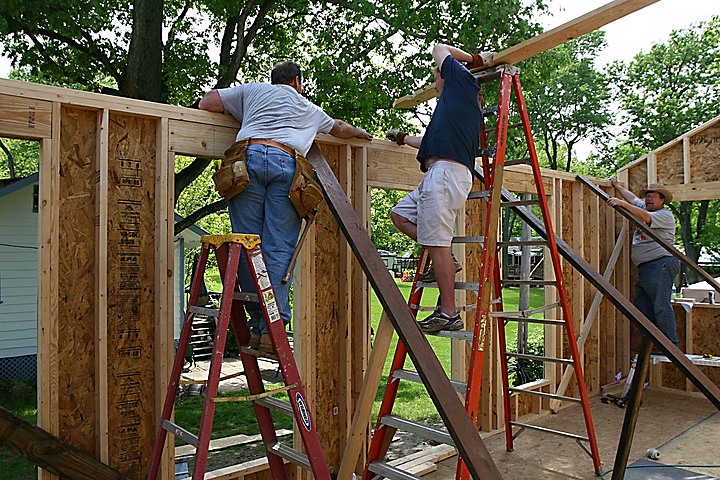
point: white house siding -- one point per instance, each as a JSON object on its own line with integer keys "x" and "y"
{"x": 18, "y": 274}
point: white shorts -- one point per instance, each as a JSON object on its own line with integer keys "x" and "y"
{"x": 434, "y": 204}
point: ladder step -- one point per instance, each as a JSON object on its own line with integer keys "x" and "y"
{"x": 290, "y": 455}
{"x": 460, "y": 387}
{"x": 480, "y": 194}
{"x": 455, "y": 335}
{"x": 424, "y": 431}
{"x": 246, "y": 297}
{"x": 546, "y": 321}
{"x": 475, "y": 239}
{"x": 539, "y": 358}
{"x": 520, "y": 161}
{"x": 519, "y": 203}
{"x": 385, "y": 470}
{"x": 544, "y": 394}
{"x": 210, "y": 312}
{"x": 471, "y": 286}
{"x": 533, "y": 311}
{"x": 463, "y": 308}
{"x": 550, "y": 430}
{"x": 178, "y": 431}
{"x": 276, "y": 405}
{"x": 521, "y": 243}
{"x": 528, "y": 282}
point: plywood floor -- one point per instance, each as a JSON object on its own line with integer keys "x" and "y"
{"x": 686, "y": 430}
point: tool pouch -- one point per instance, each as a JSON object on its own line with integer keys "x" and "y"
{"x": 305, "y": 192}
{"x": 232, "y": 177}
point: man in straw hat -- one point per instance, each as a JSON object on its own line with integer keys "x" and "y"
{"x": 657, "y": 268}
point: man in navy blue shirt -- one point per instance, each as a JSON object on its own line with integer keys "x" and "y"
{"x": 446, "y": 153}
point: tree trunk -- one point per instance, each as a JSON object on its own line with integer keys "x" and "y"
{"x": 143, "y": 77}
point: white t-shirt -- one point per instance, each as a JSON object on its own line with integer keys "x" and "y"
{"x": 275, "y": 112}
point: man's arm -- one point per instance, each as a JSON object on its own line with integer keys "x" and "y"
{"x": 626, "y": 194}
{"x": 212, "y": 102}
{"x": 441, "y": 51}
{"x": 342, "y": 129}
{"x": 637, "y": 212}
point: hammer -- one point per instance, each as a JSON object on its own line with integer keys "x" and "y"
{"x": 309, "y": 219}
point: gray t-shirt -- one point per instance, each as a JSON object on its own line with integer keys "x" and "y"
{"x": 275, "y": 112}
{"x": 644, "y": 248}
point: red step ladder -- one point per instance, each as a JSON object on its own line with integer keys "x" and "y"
{"x": 228, "y": 250}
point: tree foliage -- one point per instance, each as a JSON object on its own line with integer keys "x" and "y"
{"x": 568, "y": 98}
{"x": 383, "y": 233}
{"x": 666, "y": 92}
{"x": 358, "y": 55}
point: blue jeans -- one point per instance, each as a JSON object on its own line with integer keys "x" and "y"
{"x": 264, "y": 209}
{"x": 654, "y": 291}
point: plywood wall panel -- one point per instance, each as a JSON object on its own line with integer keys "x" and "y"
{"x": 76, "y": 274}
{"x": 669, "y": 163}
{"x": 637, "y": 177}
{"x": 704, "y": 155}
{"x": 131, "y": 293}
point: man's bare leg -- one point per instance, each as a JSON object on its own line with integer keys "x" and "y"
{"x": 444, "y": 264}
{"x": 404, "y": 225}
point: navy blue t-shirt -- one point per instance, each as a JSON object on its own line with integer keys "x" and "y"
{"x": 454, "y": 129}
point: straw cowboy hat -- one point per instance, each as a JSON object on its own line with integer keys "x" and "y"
{"x": 659, "y": 188}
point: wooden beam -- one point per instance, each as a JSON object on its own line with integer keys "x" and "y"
{"x": 49, "y": 452}
{"x": 451, "y": 410}
{"x": 545, "y": 41}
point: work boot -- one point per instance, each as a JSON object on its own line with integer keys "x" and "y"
{"x": 266, "y": 345}
{"x": 438, "y": 320}
{"x": 254, "y": 341}
{"x": 429, "y": 276}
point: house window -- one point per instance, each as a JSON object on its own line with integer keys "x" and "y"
{"x": 36, "y": 190}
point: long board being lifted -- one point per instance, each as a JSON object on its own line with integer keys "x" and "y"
{"x": 540, "y": 43}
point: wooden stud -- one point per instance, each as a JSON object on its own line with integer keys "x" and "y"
{"x": 25, "y": 118}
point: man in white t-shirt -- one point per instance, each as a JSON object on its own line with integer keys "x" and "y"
{"x": 657, "y": 268}
{"x": 279, "y": 121}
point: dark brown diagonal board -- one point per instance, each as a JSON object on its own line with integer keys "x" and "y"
{"x": 466, "y": 438}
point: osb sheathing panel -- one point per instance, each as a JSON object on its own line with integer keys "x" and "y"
{"x": 637, "y": 177}
{"x": 330, "y": 392}
{"x": 704, "y": 155}
{"x": 76, "y": 274}
{"x": 670, "y": 165}
{"x": 591, "y": 246}
{"x": 705, "y": 339}
{"x": 131, "y": 293}
{"x": 568, "y": 234}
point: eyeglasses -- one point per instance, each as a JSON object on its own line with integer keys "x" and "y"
{"x": 653, "y": 195}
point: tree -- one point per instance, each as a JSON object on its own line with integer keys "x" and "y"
{"x": 358, "y": 54}
{"x": 666, "y": 92}
{"x": 568, "y": 99}
{"x": 383, "y": 233}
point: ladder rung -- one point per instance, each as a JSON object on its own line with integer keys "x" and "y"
{"x": 178, "y": 431}
{"x": 519, "y": 203}
{"x": 290, "y": 455}
{"x": 471, "y": 286}
{"x": 539, "y": 358}
{"x": 385, "y": 470}
{"x": 550, "y": 430}
{"x": 546, "y": 321}
{"x": 276, "y": 405}
{"x": 475, "y": 239}
{"x": 544, "y": 394}
{"x": 245, "y": 297}
{"x": 210, "y": 312}
{"x": 464, "y": 308}
{"x": 520, "y": 161}
{"x": 521, "y": 243}
{"x": 480, "y": 194}
{"x": 255, "y": 396}
{"x": 455, "y": 335}
{"x": 411, "y": 376}
{"x": 258, "y": 353}
{"x": 424, "y": 431}
{"x": 528, "y": 282}
{"x": 533, "y": 311}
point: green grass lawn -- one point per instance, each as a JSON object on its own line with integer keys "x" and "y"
{"x": 413, "y": 401}
{"x": 25, "y": 406}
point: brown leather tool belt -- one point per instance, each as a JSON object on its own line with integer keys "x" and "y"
{"x": 272, "y": 143}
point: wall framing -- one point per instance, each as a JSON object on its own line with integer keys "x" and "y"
{"x": 106, "y": 318}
